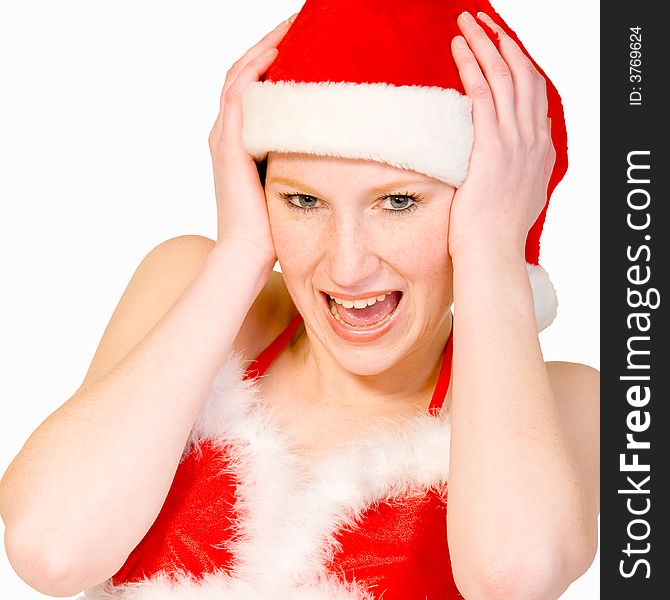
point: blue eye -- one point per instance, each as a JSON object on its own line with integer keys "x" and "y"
{"x": 400, "y": 198}
{"x": 298, "y": 207}
{"x": 403, "y": 198}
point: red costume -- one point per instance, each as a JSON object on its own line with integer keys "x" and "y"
{"x": 248, "y": 518}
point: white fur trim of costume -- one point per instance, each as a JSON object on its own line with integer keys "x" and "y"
{"x": 427, "y": 129}
{"x": 220, "y": 586}
{"x": 290, "y": 509}
{"x": 544, "y": 296}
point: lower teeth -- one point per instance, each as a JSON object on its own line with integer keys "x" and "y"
{"x": 333, "y": 311}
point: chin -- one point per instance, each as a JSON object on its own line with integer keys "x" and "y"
{"x": 356, "y": 364}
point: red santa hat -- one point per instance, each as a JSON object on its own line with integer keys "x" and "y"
{"x": 375, "y": 79}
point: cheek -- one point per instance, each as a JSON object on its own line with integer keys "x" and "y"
{"x": 423, "y": 260}
{"x": 277, "y": 227}
{"x": 420, "y": 253}
{"x": 296, "y": 243}
{"x": 421, "y": 245}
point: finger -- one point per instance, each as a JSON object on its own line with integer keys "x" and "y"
{"x": 232, "y": 121}
{"x": 270, "y": 40}
{"x": 529, "y": 84}
{"x": 476, "y": 87}
{"x": 496, "y": 70}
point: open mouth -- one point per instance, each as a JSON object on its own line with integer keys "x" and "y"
{"x": 368, "y": 317}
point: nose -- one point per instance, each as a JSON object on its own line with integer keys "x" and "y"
{"x": 353, "y": 263}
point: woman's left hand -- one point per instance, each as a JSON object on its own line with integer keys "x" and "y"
{"x": 512, "y": 156}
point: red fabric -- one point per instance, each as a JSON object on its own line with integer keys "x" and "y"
{"x": 193, "y": 522}
{"x": 399, "y": 550}
{"x": 371, "y": 41}
{"x": 400, "y": 43}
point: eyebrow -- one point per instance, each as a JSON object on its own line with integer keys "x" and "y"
{"x": 391, "y": 185}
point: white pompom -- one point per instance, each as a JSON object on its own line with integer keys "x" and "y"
{"x": 544, "y": 296}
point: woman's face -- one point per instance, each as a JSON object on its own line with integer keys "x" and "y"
{"x": 355, "y": 227}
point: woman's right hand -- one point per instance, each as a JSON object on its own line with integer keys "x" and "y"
{"x": 240, "y": 199}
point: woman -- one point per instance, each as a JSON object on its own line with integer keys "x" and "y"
{"x": 512, "y": 418}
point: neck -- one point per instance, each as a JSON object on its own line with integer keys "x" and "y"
{"x": 411, "y": 381}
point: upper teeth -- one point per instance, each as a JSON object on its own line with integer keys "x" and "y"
{"x": 362, "y": 303}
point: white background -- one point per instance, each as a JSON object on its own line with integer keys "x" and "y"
{"x": 105, "y": 111}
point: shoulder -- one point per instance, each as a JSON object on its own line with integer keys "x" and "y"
{"x": 576, "y": 390}
{"x": 187, "y": 244}
{"x": 174, "y": 260}
{"x": 573, "y": 375}
{"x": 271, "y": 312}
{"x": 159, "y": 281}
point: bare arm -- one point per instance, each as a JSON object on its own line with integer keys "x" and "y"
{"x": 92, "y": 478}
{"x": 523, "y": 501}
{"x": 517, "y": 512}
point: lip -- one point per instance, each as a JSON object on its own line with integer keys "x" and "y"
{"x": 366, "y": 335}
{"x": 360, "y": 296}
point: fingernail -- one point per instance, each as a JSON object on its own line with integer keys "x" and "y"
{"x": 467, "y": 17}
{"x": 293, "y": 17}
{"x": 459, "y": 40}
{"x": 270, "y": 52}
{"x": 482, "y": 16}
